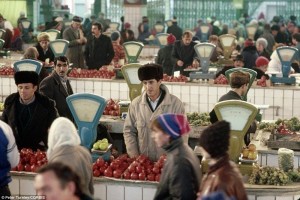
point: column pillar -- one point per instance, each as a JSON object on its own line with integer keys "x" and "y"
{"x": 133, "y": 14}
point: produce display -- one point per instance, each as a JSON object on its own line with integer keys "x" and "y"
{"x": 104, "y": 72}
{"x": 268, "y": 176}
{"x": 262, "y": 82}
{"x": 199, "y": 119}
{"x": 282, "y": 126}
{"x": 221, "y": 79}
{"x": 267, "y": 126}
{"x": 180, "y": 78}
{"x": 101, "y": 145}
{"x": 140, "y": 168}
{"x": 7, "y": 70}
{"x": 30, "y": 160}
{"x": 249, "y": 152}
{"x": 112, "y": 108}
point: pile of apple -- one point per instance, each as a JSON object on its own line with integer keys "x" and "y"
{"x": 7, "y": 70}
{"x": 112, "y": 108}
{"x": 30, "y": 160}
{"x": 140, "y": 168}
{"x": 180, "y": 78}
{"x": 249, "y": 152}
{"x": 101, "y": 145}
{"x": 103, "y": 72}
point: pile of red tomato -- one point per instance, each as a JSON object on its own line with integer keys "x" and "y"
{"x": 112, "y": 108}
{"x": 103, "y": 73}
{"x": 180, "y": 78}
{"x": 30, "y": 160}
{"x": 7, "y": 70}
{"x": 140, "y": 168}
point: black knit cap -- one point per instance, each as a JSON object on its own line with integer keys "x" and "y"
{"x": 26, "y": 77}
{"x": 150, "y": 71}
{"x": 215, "y": 139}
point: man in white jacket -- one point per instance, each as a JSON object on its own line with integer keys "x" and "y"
{"x": 154, "y": 100}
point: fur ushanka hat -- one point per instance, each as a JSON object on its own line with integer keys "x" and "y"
{"x": 150, "y": 71}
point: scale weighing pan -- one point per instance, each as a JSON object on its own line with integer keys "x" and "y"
{"x": 86, "y": 110}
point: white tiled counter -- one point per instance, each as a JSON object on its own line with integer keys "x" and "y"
{"x": 284, "y": 101}
{"x": 108, "y": 189}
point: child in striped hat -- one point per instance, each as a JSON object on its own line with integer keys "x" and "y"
{"x": 180, "y": 178}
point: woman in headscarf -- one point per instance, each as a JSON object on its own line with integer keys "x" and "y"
{"x": 64, "y": 146}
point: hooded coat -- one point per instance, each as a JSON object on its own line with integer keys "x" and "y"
{"x": 137, "y": 132}
{"x": 64, "y": 146}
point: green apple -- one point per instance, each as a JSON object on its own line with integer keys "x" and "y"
{"x": 104, "y": 140}
{"x": 96, "y": 146}
{"x": 103, "y": 146}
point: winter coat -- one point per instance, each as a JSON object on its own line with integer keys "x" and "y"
{"x": 98, "y": 52}
{"x": 79, "y": 159}
{"x": 53, "y": 88}
{"x": 74, "y": 52}
{"x": 44, "y": 55}
{"x": 175, "y": 30}
{"x": 271, "y": 41}
{"x": 181, "y": 175}
{"x": 137, "y": 132}
{"x": 36, "y": 131}
{"x": 265, "y": 54}
{"x": 250, "y": 55}
{"x": 164, "y": 58}
{"x": 224, "y": 176}
{"x": 187, "y": 54}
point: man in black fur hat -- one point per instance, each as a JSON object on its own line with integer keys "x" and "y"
{"x": 154, "y": 100}
{"x": 29, "y": 113}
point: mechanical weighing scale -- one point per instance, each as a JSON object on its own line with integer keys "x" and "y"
{"x": 130, "y": 73}
{"x": 59, "y": 47}
{"x": 204, "y": 52}
{"x": 286, "y": 55}
{"x": 162, "y": 39}
{"x": 28, "y": 65}
{"x": 53, "y": 33}
{"x": 240, "y": 115}
{"x": 3, "y": 52}
{"x": 133, "y": 50}
{"x": 86, "y": 110}
{"x": 204, "y": 32}
{"x": 227, "y": 41}
{"x": 251, "y": 30}
{"x": 114, "y": 26}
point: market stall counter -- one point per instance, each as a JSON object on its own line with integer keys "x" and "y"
{"x": 118, "y": 189}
